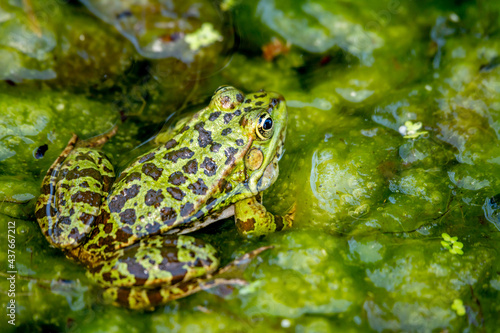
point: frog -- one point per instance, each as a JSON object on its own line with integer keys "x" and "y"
{"x": 131, "y": 230}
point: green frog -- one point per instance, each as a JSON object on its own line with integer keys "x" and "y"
{"x": 131, "y": 233}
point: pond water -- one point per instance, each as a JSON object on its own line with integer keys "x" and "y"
{"x": 392, "y": 155}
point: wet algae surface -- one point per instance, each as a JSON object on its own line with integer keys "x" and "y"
{"x": 392, "y": 155}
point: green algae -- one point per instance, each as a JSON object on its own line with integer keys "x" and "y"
{"x": 373, "y": 200}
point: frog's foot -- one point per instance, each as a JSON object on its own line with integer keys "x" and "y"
{"x": 72, "y": 193}
{"x": 252, "y": 218}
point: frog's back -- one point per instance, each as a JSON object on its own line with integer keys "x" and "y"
{"x": 193, "y": 174}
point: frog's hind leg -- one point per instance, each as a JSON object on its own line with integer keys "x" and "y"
{"x": 155, "y": 270}
{"x": 163, "y": 268}
{"x": 72, "y": 194}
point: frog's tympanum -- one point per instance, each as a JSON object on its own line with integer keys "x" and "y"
{"x": 130, "y": 232}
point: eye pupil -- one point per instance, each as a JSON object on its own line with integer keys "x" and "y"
{"x": 268, "y": 124}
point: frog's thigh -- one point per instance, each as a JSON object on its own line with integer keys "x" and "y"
{"x": 72, "y": 194}
{"x": 252, "y": 218}
{"x": 143, "y": 274}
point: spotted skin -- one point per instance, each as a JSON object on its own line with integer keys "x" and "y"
{"x": 129, "y": 232}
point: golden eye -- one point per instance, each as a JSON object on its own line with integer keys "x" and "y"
{"x": 265, "y": 126}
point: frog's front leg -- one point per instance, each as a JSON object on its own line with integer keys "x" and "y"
{"x": 252, "y": 218}
{"x": 72, "y": 194}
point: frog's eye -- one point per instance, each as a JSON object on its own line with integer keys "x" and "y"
{"x": 264, "y": 128}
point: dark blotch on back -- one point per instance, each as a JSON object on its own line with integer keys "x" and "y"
{"x": 170, "y": 144}
{"x": 187, "y": 209}
{"x": 183, "y": 153}
{"x": 237, "y": 112}
{"x": 239, "y": 98}
{"x": 128, "y": 178}
{"x": 118, "y": 201}
{"x": 147, "y": 157}
{"x": 168, "y": 215}
{"x": 85, "y": 157}
{"x": 259, "y": 103}
{"x": 176, "y": 193}
{"x": 127, "y": 217}
{"x": 261, "y": 96}
{"x": 153, "y": 198}
{"x": 108, "y": 227}
{"x": 198, "y": 187}
{"x": 151, "y": 170}
{"x": 122, "y": 236}
{"x": 227, "y": 118}
{"x": 226, "y": 131}
{"x": 204, "y": 137}
{"x": 191, "y": 166}
{"x": 76, "y": 174}
{"x": 240, "y": 142}
{"x": 214, "y": 116}
{"x": 209, "y": 165}
{"x": 215, "y": 147}
{"x": 87, "y": 219}
{"x": 230, "y": 152}
{"x": 91, "y": 198}
{"x": 177, "y": 178}
{"x": 133, "y": 176}
{"x": 152, "y": 228}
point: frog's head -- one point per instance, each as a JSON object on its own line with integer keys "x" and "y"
{"x": 262, "y": 122}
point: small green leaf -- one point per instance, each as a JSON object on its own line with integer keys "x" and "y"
{"x": 446, "y": 237}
